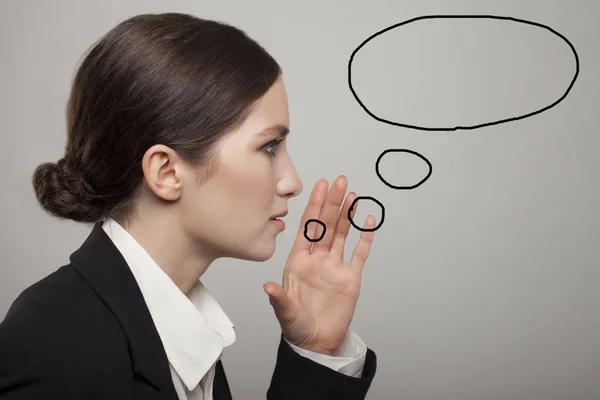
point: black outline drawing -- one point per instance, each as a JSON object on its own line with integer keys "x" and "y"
{"x": 434, "y": 129}
{"x": 464, "y": 17}
{"x": 318, "y": 222}
{"x": 365, "y": 229}
{"x": 403, "y": 151}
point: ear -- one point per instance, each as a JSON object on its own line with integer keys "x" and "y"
{"x": 163, "y": 172}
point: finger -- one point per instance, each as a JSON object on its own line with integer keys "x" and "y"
{"x": 329, "y": 214}
{"x": 361, "y": 251}
{"x": 313, "y": 208}
{"x": 343, "y": 227}
{"x": 282, "y": 307}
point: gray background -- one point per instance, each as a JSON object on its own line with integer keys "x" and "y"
{"x": 482, "y": 283}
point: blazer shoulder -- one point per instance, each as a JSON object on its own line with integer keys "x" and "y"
{"x": 58, "y": 330}
{"x": 59, "y": 296}
{"x": 60, "y": 307}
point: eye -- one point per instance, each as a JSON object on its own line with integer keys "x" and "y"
{"x": 273, "y": 145}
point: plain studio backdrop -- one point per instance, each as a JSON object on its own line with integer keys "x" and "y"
{"x": 483, "y": 282}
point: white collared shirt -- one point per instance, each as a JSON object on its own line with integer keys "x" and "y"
{"x": 194, "y": 329}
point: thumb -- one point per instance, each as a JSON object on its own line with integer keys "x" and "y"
{"x": 279, "y": 300}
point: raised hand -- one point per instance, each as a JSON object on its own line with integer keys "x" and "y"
{"x": 316, "y": 301}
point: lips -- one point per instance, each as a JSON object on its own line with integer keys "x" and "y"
{"x": 278, "y": 223}
{"x": 281, "y": 214}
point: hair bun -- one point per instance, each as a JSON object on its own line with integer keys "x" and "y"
{"x": 63, "y": 192}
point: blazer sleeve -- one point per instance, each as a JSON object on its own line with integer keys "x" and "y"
{"x": 349, "y": 360}
{"x": 299, "y": 378}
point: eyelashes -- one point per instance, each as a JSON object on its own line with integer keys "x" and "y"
{"x": 273, "y": 144}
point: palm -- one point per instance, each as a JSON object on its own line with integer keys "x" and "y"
{"x": 320, "y": 292}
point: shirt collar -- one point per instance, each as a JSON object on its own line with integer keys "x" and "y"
{"x": 194, "y": 329}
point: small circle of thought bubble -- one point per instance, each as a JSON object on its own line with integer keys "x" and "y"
{"x": 403, "y": 151}
{"x": 316, "y": 221}
{"x": 366, "y": 229}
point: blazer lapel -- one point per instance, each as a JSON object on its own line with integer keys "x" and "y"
{"x": 104, "y": 268}
{"x": 221, "y": 389}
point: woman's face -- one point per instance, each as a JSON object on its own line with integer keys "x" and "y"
{"x": 230, "y": 214}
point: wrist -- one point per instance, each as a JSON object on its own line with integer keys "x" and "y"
{"x": 313, "y": 347}
{"x": 320, "y": 350}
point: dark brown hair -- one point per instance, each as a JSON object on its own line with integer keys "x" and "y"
{"x": 171, "y": 79}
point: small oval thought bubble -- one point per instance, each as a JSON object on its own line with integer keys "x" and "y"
{"x": 450, "y": 72}
{"x": 403, "y": 152}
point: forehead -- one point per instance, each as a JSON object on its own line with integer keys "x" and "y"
{"x": 270, "y": 110}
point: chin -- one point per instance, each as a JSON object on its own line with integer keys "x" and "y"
{"x": 256, "y": 246}
{"x": 256, "y": 253}
{"x": 263, "y": 253}
{"x": 262, "y": 256}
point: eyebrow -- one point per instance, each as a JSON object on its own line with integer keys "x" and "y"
{"x": 281, "y": 131}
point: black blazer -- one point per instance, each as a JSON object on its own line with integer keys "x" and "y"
{"x": 85, "y": 332}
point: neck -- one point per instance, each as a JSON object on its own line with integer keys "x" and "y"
{"x": 164, "y": 238}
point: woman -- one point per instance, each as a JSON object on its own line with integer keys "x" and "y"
{"x": 176, "y": 154}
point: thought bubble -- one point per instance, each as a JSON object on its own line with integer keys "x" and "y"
{"x": 403, "y": 151}
{"x": 424, "y": 49}
{"x": 519, "y": 26}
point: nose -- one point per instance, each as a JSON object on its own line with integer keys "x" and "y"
{"x": 290, "y": 185}
{"x": 298, "y": 186}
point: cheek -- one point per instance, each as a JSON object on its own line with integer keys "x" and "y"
{"x": 244, "y": 188}
{"x": 254, "y": 182}
{"x": 260, "y": 191}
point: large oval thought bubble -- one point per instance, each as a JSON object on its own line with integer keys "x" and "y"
{"x": 450, "y": 72}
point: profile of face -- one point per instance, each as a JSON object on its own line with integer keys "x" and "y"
{"x": 230, "y": 214}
